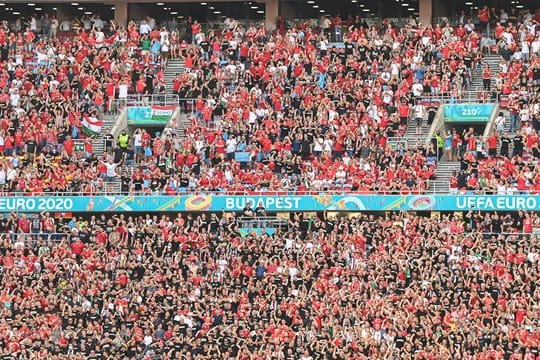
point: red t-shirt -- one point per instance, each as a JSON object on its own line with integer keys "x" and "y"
{"x": 24, "y": 225}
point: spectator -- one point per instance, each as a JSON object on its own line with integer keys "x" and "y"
{"x": 287, "y": 305}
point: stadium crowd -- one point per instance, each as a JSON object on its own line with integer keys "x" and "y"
{"x": 308, "y": 117}
{"x": 172, "y": 286}
{"x": 505, "y": 162}
{"x": 278, "y": 112}
{"x": 50, "y": 86}
{"x": 281, "y": 99}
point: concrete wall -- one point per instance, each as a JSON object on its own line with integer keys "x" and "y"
{"x": 121, "y": 123}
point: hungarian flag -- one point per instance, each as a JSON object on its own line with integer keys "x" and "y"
{"x": 91, "y": 125}
{"x": 162, "y": 113}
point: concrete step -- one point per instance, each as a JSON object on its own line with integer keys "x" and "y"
{"x": 113, "y": 187}
{"x": 410, "y": 133}
{"x": 442, "y": 176}
{"x": 108, "y": 123}
{"x": 174, "y": 67}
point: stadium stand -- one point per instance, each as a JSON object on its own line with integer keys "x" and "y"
{"x": 284, "y": 113}
{"x": 372, "y": 286}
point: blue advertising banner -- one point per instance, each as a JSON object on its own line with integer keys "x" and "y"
{"x": 149, "y": 115}
{"x": 270, "y": 203}
{"x": 468, "y": 112}
{"x": 139, "y": 113}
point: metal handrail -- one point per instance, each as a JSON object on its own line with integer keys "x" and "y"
{"x": 467, "y": 96}
{"x": 435, "y": 190}
{"x": 135, "y": 100}
{"x": 33, "y": 237}
{"x": 261, "y": 221}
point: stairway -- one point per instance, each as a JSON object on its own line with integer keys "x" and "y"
{"x": 444, "y": 170}
{"x": 413, "y": 140}
{"x": 174, "y": 67}
{"x": 98, "y": 147}
{"x": 98, "y": 143}
{"x": 493, "y": 60}
{"x": 108, "y": 123}
{"x": 112, "y": 187}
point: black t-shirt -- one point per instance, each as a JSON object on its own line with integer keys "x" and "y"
{"x": 125, "y": 183}
{"x": 349, "y": 48}
{"x": 518, "y": 141}
{"x": 205, "y": 45}
{"x": 118, "y": 154}
{"x": 137, "y": 184}
{"x": 248, "y": 212}
{"x": 505, "y": 143}
{"x": 31, "y": 146}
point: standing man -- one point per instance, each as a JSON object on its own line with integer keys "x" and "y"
{"x": 483, "y": 17}
{"x": 419, "y": 111}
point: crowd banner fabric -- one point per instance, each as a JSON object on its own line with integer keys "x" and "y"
{"x": 281, "y": 203}
{"x": 91, "y": 125}
{"x": 467, "y": 113}
{"x": 242, "y": 156}
{"x": 149, "y": 115}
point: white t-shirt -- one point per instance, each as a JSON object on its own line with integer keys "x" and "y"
{"x": 145, "y": 29}
{"x": 122, "y": 91}
{"x": 417, "y": 89}
{"x": 165, "y": 45}
{"x": 111, "y": 169}
{"x": 419, "y": 111}
{"x": 11, "y": 174}
{"x": 14, "y": 99}
{"x": 163, "y": 35}
{"x": 231, "y": 145}
{"x": 87, "y": 24}
{"x": 100, "y": 38}
{"x": 65, "y": 25}
{"x": 33, "y": 24}
{"x": 98, "y": 23}
{"x": 137, "y": 139}
{"x": 148, "y": 340}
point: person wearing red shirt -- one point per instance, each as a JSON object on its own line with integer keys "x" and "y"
{"x": 404, "y": 111}
{"x": 527, "y": 224}
{"x": 23, "y": 224}
{"x": 195, "y": 30}
{"x": 77, "y": 247}
{"x": 492, "y": 141}
{"x": 68, "y": 145}
{"x": 499, "y": 29}
{"x": 483, "y": 17}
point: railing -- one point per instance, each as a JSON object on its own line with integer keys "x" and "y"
{"x": 262, "y": 222}
{"x": 79, "y": 144}
{"x": 103, "y": 189}
{"x": 465, "y": 96}
{"x": 113, "y": 189}
{"x": 32, "y": 238}
{"x": 136, "y": 100}
{"x": 187, "y": 106}
{"x": 399, "y": 143}
{"x": 510, "y": 237}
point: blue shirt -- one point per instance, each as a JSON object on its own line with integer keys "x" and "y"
{"x": 156, "y": 46}
{"x": 419, "y": 73}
